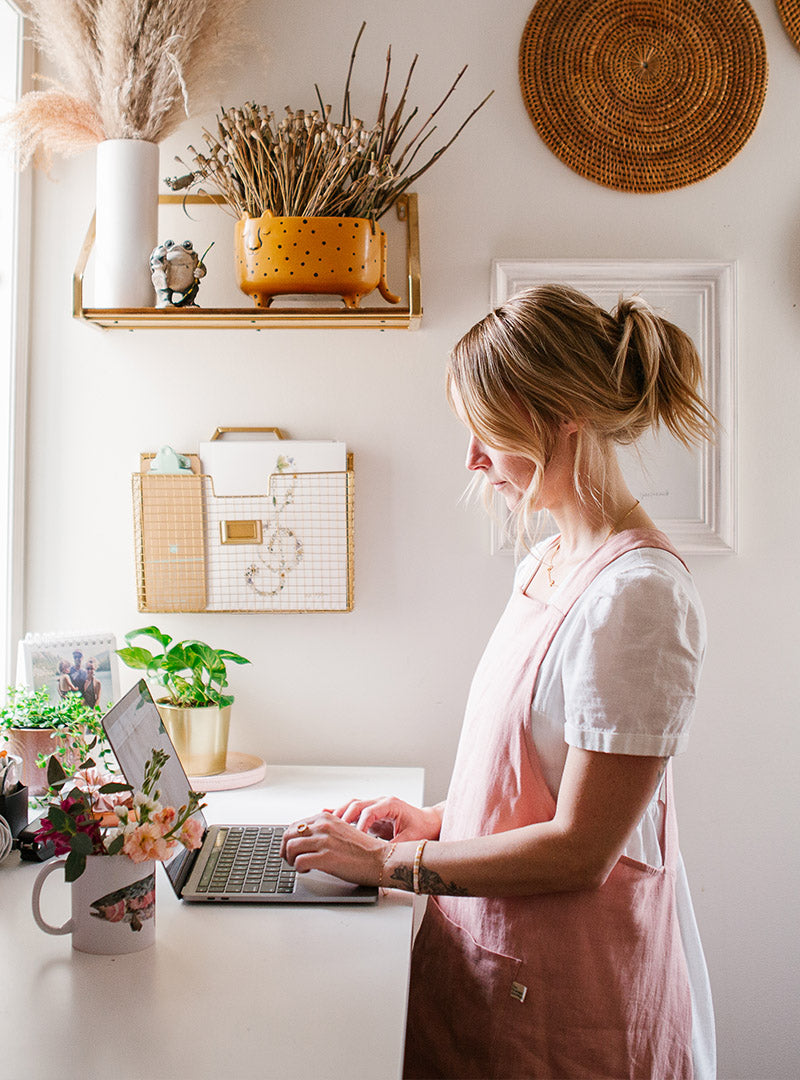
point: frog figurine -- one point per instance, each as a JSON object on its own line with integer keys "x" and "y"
{"x": 176, "y": 270}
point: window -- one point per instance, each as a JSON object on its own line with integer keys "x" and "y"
{"x": 15, "y": 59}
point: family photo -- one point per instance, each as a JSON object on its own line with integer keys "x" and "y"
{"x": 70, "y": 665}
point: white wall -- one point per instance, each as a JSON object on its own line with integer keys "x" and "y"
{"x": 387, "y": 683}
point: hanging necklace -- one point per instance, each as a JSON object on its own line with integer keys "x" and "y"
{"x": 551, "y": 581}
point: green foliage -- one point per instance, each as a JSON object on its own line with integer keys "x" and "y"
{"x": 34, "y": 709}
{"x": 191, "y": 673}
{"x": 78, "y": 727}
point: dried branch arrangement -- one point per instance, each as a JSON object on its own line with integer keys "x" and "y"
{"x": 307, "y": 165}
{"x": 129, "y": 69}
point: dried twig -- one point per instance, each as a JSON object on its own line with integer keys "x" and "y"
{"x": 307, "y": 165}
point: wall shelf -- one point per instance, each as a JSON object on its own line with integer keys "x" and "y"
{"x": 251, "y": 318}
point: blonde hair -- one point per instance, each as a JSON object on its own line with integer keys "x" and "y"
{"x": 551, "y": 354}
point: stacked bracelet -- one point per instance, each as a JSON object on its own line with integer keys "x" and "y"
{"x": 387, "y": 856}
{"x": 418, "y": 863}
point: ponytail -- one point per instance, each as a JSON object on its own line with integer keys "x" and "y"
{"x": 657, "y": 365}
{"x": 550, "y": 354}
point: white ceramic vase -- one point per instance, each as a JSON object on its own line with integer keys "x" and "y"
{"x": 126, "y": 223}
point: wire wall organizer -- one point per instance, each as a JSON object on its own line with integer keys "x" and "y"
{"x": 289, "y": 550}
{"x": 642, "y": 95}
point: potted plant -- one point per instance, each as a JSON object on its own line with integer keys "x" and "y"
{"x": 192, "y": 699}
{"x": 36, "y": 728}
{"x": 129, "y": 71}
{"x": 307, "y": 191}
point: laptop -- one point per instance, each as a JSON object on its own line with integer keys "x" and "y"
{"x": 235, "y": 863}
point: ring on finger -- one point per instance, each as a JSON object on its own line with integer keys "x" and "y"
{"x": 302, "y": 827}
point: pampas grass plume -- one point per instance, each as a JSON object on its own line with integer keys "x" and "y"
{"x": 130, "y": 68}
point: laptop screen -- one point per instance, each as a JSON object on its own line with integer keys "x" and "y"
{"x": 134, "y": 730}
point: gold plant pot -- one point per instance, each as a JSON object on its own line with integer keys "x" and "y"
{"x": 341, "y": 255}
{"x": 200, "y": 736}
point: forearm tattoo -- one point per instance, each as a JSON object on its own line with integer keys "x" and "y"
{"x": 429, "y": 882}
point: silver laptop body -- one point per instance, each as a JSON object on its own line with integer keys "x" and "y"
{"x": 212, "y": 874}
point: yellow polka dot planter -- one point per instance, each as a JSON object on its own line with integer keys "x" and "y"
{"x": 342, "y": 256}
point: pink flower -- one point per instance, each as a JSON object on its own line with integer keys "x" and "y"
{"x": 82, "y": 822}
{"x": 91, "y": 780}
{"x": 191, "y": 834}
{"x": 147, "y": 842}
{"x": 165, "y": 819}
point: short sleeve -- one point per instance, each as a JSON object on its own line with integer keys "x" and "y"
{"x": 633, "y": 662}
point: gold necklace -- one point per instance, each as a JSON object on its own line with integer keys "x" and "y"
{"x": 551, "y": 581}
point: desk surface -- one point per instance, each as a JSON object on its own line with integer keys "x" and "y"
{"x": 278, "y": 993}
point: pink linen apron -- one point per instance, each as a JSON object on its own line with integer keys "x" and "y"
{"x": 560, "y": 986}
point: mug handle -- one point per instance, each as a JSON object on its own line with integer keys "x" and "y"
{"x": 69, "y": 925}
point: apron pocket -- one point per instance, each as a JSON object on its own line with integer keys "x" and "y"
{"x": 462, "y": 1004}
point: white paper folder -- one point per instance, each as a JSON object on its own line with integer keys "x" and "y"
{"x": 244, "y": 467}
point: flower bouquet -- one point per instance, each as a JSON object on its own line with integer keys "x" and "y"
{"x": 109, "y": 818}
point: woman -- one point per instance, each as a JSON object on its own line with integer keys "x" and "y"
{"x": 91, "y": 686}
{"x": 559, "y": 939}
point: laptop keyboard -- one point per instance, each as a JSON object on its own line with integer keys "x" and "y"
{"x": 246, "y": 859}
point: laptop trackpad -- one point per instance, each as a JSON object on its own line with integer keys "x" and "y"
{"x": 316, "y": 885}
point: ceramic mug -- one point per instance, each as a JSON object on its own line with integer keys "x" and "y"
{"x": 113, "y": 905}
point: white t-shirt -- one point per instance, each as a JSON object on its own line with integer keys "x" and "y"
{"x": 620, "y": 677}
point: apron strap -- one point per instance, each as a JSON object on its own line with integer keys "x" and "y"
{"x": 617, "y": 545}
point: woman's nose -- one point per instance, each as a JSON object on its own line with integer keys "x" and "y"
{"x": 476, "y": 455}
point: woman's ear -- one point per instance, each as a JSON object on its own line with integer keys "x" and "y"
{"x": 569, "y": 427}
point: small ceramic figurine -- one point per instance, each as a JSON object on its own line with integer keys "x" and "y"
{"x": 176, "y": 270}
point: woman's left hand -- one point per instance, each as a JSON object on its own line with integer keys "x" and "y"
{"x": 325, "y": 842}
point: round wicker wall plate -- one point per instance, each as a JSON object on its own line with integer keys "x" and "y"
{"x": 789, "y": 11}
{"x": 643, "y": 95}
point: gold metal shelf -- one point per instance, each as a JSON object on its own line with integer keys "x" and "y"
{"x": 328, "y": 318}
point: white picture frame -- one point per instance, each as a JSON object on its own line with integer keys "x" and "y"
{"x": 41, "y": 657}
{"x": 691, "y": 495}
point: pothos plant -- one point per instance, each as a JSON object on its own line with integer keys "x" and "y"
{"x": 191, "y": 673}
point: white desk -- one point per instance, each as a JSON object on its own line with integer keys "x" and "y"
{"x": 239, "y": 991}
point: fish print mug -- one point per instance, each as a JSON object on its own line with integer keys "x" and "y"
{"x": 113, "y": 905}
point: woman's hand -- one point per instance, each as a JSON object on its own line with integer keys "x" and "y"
{"x": 325, "y": 842}
{"x": 392, "y": 819}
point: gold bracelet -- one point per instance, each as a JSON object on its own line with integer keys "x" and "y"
{"x": 418, "y": 863}
{"x": 386, "y": 858}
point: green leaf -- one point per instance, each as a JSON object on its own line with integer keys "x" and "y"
{"x": 82, "y": 844}
{"x": 136, "y": 658}
{"x": 115, "y": 847}
{"x": 233, "y": 657}
{"x": 55, "y": 772}
{"x": 150, "y": 631}
{"x": 60, "y": 821}
{"x": 74, "y": 866}
{"x": 114, "y": 788}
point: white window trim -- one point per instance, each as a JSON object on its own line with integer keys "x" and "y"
{"x": 12, "y": 541}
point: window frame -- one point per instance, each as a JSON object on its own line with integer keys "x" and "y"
{"x": 15, "y": 388}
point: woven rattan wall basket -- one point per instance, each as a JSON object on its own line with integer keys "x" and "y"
{"x": 642, "y": 95}
{"x": 789, "y": 11}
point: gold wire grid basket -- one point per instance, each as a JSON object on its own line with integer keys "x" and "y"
{"x": 287, "y": 551}
{"x": 640, "y": 95}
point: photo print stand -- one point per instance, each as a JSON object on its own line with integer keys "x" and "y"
{"x": 59, "y": 662}
{"x": 262, "y": 523}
